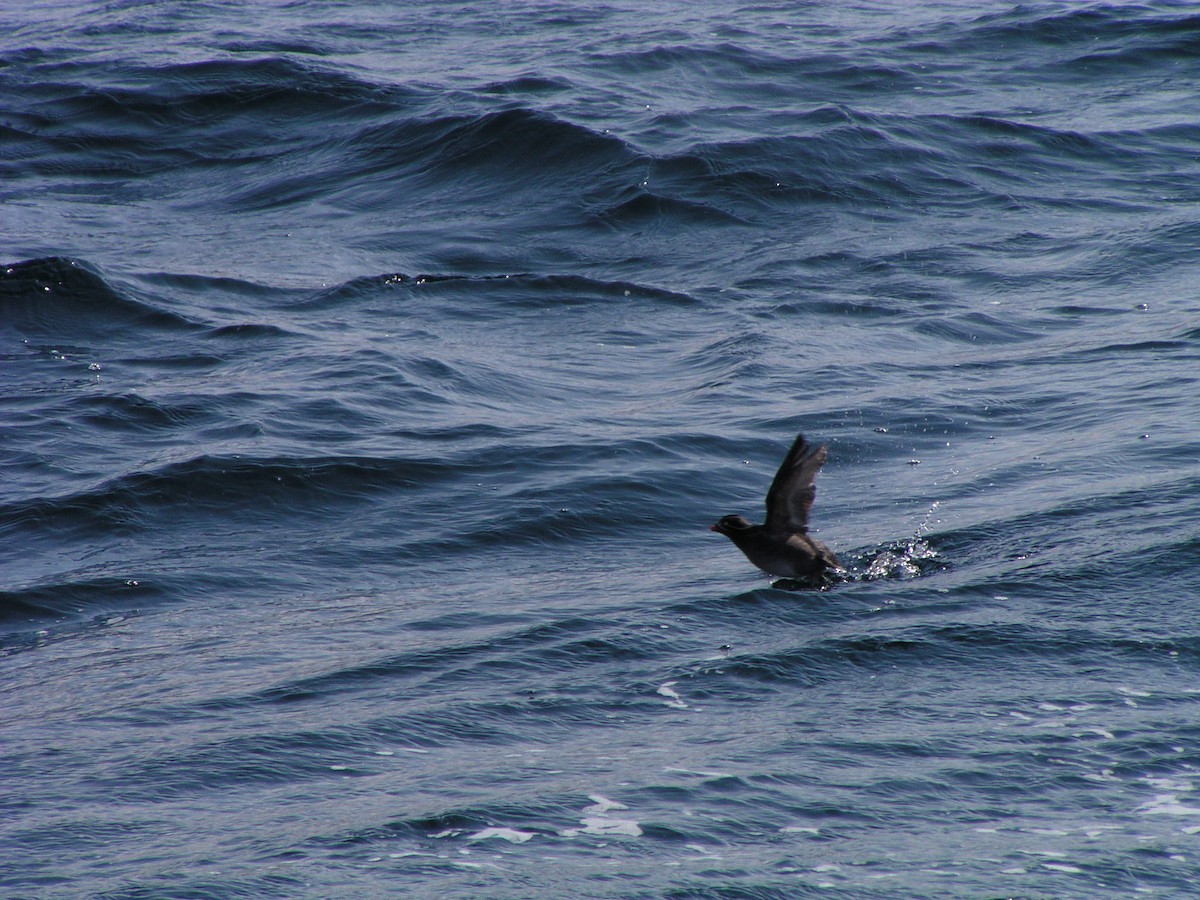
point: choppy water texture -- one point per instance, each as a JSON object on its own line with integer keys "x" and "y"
{"x": 370, "y": 373}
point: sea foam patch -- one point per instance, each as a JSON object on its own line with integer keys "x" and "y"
{"x": 673, "y": 699}
{"x": 596, "y": 820}
{"x": 512, "y": 835}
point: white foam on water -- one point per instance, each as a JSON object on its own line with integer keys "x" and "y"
{"x": 673, "y": 699}
{"x": 701, "y": 772}
{"x": 1167, "y": 805}
{"x": 1168, "y": 802}
{"x": 1170, "y": 784}
{"x": 511, "y": 835}
{"x": 596, "y": 820}
{"x": 601, "y": 805}
{"x": 604, "y": 825}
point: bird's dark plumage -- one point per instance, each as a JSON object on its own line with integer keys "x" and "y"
{"x": 781, "y": 545}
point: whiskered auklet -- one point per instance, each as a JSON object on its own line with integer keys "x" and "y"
{"x": 781, "y": 545}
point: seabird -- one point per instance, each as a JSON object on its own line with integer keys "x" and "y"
{"x": 781, "y": 545}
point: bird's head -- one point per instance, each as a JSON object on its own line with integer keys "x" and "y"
{"x": 729, "y": 525}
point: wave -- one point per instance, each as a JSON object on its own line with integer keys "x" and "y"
{"x": 564, "y": 643}
{"x": 64, "y": 300}
{"x": 527, "y": 84}
{"x": 215, "y": 485}
{"x": 493, "y": 295}
{"x": 731, "y": 65}
{"x": 466, "y": 697}
{"x": 128, "y": 412}
{"x": 868, "y": 160}
{"x": 386, "y": 142}
{"x": 494, "y": 507}
{"x": 642, "y": 206}
{"x": 265, "y": 123}
{"x": 946, "y": 647}
{"x": 165, "y": 130}
{"x": 1077, "y": 35}
{"x": 75, "y": 597}
{"x": 205, "y": 96}
{"x": 67, "y": 298}
{"x": 509, "y": 151}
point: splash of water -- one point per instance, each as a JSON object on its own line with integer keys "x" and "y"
{"x": 905, "y": 559}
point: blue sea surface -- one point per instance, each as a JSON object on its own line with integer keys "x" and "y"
{"x": 370, "y": 374}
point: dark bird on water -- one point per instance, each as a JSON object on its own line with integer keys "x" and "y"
{"x": 781, "y": 545}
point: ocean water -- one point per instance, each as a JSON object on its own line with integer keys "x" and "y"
{"x": 370, "y": 374}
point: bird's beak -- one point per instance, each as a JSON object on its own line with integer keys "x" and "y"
{"x": 712, "y": 527}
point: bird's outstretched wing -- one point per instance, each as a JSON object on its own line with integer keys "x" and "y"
{"x": 792, "y": 492}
